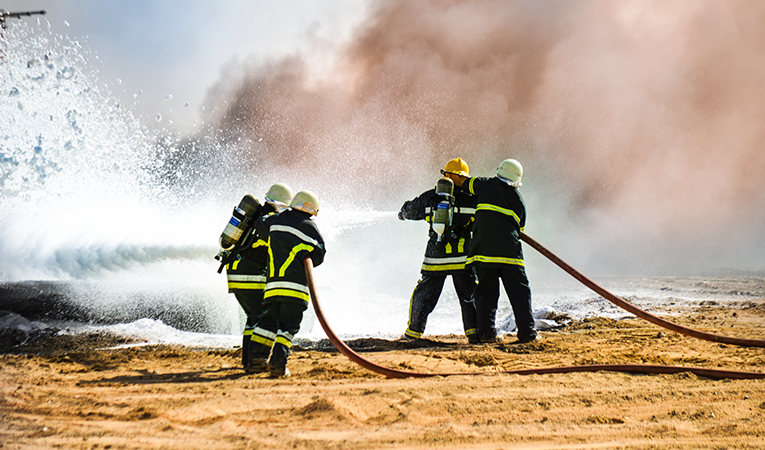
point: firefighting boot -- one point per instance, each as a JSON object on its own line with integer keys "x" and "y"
{"x": 257, "y": 361}
{"x": 277, "y": 365}
{"x": 246, "y": 339}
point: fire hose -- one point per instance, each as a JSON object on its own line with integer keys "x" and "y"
{"x": 618, "y": 301}
{"x": 627, "y": 368}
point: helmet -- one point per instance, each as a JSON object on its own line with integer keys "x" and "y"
{"x": 306, "y": 201}
{"x": 458, "y": 167}
{"x": 511, "y": 172}
{"x": 456, "y": 170}
{"x": 280, "y": 195}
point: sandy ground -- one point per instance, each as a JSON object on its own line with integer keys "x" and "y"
{"x": 70, "y": 392}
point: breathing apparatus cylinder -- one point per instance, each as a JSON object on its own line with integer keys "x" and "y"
{"x": 442, "y": 215}
{"x": 240, "y": 218}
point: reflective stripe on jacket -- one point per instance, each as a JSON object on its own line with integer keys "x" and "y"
{"x": 500, "y": 217}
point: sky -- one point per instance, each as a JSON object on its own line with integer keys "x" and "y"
{"x": 170, "y": 52}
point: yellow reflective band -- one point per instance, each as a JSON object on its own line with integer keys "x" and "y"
{"x": 270, "y": 259}
{"x": 247, "y": 332}
{"x": 259, "y": 243}
{"x": 496, "y": 260}
{"x": 461, "y": 245}
{"x": 413, "y": 334}
{"x": 471, "y": 331}
{"x": 448, "y": 248}
{"x": 442, "y": 267}
{"x": 508, "y": 212}
{"x": 253, "y": 286}
{"x": 286, "y": 293}
{"x": 470, "y": 186}
{"x": 235, "y": 264}
{"x": 284, "y": 341}
{"x": 295, "y": 250}
{"x": 261, "y": 340}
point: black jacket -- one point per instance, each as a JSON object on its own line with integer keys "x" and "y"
{"x": 448, "y": 255}
{"x": 291, "y": 236}
{"x": 500, "y": 217}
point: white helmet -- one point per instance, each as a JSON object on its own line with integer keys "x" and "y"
{"x": 280, "y": 196}
{"x": 511, "y": 172}
{"x": 306, "y": 201}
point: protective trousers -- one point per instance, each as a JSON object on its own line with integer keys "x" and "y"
{"x": 425, "y": 297}
{"x": 486, "y": 297}
{"x": 274, "y": 332}
{"x": 251, "y": 301}
{"x": 247, "y": 279}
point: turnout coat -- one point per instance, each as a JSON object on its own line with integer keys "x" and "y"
{"x": 500, "y": 217}
{"x": 449, "y": 255}
{"x": 291, "y": 237}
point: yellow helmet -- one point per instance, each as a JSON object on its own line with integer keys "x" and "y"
{"x": 306, "y": 201}
{"x": 457, "y": 166}
{"x": 279, "y": 195}
{"x": 511, "y": 172}
{"x": 456, "y": 170}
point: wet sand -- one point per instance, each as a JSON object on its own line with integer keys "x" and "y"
{"x": 75, "y": 392}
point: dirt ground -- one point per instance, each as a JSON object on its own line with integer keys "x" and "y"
{"x": 71, "y": 392}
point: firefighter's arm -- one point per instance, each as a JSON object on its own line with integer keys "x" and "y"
{"x": 317, "y": 254}
{"x": 416, "y": 209}
{"x": 319, "y": 250}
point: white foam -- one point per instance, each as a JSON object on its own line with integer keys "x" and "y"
{"x": 155, "y": 332}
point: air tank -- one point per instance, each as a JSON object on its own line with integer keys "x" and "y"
{"x": 442, "y": 215}
{"x": 240, "y": 218}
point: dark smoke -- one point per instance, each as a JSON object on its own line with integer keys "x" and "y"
{"x": 639, "y": 123}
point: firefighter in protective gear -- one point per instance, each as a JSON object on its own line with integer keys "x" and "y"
{"x": 247, "y": 274}
{"x": 444, "y": 255}
{"x": 292, "y": 236}
{"x": 496, "y": 253}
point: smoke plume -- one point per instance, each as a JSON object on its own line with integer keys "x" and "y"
{"x": 639, "y": 124}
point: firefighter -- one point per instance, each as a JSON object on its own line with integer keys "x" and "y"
{"x": 445, "y": 253}
{"x": 292, "y": 236}
{"x": 246, "y": 275}
{"x": 496, "y": 252}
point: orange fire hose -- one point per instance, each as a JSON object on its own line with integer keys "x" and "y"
{"x": 618, "y": 301}
{"x": 628, "y": 368}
